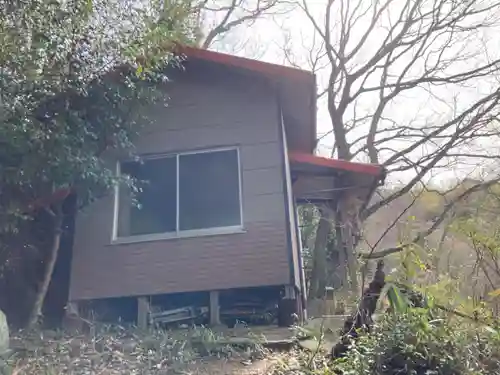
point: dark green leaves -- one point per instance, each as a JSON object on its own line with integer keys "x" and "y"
{"x": 69, "y": 92}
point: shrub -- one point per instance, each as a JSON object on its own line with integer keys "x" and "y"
{"x": 418, "y": 342}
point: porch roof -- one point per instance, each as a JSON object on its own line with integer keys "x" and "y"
{"x": 314, "y": 162}
{"x": 320, "y": 179}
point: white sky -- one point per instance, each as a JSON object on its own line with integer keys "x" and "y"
{"x": 265, "y": 40}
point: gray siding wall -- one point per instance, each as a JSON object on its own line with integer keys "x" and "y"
{"x": 199, "y": 116}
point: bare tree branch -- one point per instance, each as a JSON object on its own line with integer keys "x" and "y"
{"x": 408, "y": 86}
{"x": 484, "y": 108}
{"x": 437, "y": 222}
{"x": 236, "y": 13}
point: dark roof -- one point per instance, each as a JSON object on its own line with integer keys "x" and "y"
{"x": 299, "y": 114}
{"x": 296, "y": 87}
{"x": 319, "y": 179}
{"x": 295, "y": 77}
{"x": 269, "y": 69}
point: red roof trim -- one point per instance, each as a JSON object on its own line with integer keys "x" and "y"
{"x": 245, "y": 63}
{"x": 371, "y": 169}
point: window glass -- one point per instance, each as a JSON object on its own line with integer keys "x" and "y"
{"x": 155, "y": 211}
{"x": 208, "y": 196}
{"x": 209, "y": 191}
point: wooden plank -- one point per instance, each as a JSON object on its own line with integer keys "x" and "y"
{"x": 142, "y": 312}
{"x": 214, "y": 308}
{"x": 290, "y": 292}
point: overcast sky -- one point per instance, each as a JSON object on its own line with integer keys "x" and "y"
{"x": 265, "y": 41}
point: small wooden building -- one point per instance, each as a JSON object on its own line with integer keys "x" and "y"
{"x": 227, "y": 160}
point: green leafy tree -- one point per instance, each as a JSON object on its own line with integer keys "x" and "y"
{"x": 75, "y": 78}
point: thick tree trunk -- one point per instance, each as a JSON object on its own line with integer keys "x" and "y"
{"x": 318, "y": 273}
{"x": 342, "y": 266}
{"x": 346, "y": 231}
{"x": 50, "y": 261}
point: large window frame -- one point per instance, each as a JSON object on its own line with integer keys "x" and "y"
{"x": 115, "y": 239}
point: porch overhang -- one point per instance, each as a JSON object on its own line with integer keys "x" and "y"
{"x": 318, "y": 179}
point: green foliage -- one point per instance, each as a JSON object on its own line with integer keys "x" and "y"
{"x": 481, "y": 231}
{"x": 430, "y": 203}
{"x": 418, "y": 342}
{"x": 397, "y": 300}
{"x": 308, "y": 216}
{"x": 483, "y": 234}
{"x": 73, "y": 89}
{"x": 452, "y": 335}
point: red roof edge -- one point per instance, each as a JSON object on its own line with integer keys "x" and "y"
{"x": 349, "y": 166}
{"x": 245, "y": 63}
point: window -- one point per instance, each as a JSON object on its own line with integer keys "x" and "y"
{"x": 181, "y": 193}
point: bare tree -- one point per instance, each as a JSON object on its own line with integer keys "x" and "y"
{"x": 409, "y": 85}
{"x": 217, "y": 18}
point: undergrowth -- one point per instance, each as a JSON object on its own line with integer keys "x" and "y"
{"x": 118, "y": 350}
{"x": 424, "y": 342}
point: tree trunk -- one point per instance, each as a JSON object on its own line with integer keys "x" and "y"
{"x": 318, "y": 273}
{"x": 346, "y": 229}
{"x": 352, "y": 263}
{"x": 361, "y": 318}
{"x": 50, "y": 261}
{"x": 342, "y": 265}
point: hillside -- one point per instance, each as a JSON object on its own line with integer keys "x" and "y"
{"x": 450, "y": 250}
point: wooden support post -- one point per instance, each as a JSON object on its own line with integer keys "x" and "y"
{"x": 214, "y": 308}
{"x": 72, "y": 309}
{"x": 142, "y": 312}
{"x": 287, "y": 307}
{"x": 71, "y": 319}
{"x": 290, "y": 292}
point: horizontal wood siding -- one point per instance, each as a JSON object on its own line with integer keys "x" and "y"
{"x": 199, "y": 116}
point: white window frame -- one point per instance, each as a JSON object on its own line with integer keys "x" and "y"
{"x": 178, "y": 233}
